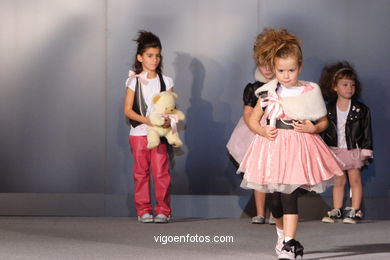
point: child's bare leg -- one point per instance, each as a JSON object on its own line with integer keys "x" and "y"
{"x": 260, "y": 203}
{"x": 290, "y": 224}
{"x": 355, "y": 181}
{"x": 338, "y": 192}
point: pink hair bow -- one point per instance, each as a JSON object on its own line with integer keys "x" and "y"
{"x": 274, "y": 108}
{"x": 174, "y": 120}
{"x": 142, "y": 77}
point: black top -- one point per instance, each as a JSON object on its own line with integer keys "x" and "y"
{"x": 358, "y": 133}
{"x": 249, "y": 96}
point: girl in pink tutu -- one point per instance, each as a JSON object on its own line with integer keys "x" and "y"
{"x": 287, "y": 154}
{"x": 348, "y": 135}
{"x": 242, "y": 136}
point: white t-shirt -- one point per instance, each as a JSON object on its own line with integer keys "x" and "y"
{"x": 148, "y": 92}
{"x": 341, "y": 121}
{"x": 290, "y": 91}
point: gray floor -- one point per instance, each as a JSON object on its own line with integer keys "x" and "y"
{"x": 123, "y": 238}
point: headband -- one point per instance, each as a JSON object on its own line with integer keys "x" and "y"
{"x": 339, "y": 71}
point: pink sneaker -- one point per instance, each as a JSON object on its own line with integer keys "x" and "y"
{"x": 286, "y": 255}
{"x": 278, "y": 247}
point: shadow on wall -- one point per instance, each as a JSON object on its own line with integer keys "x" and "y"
{"x": 200, "y": 166}
{"x": 204, "y": 137}
{"x": 57, "y": 151}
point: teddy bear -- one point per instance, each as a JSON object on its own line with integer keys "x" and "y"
{"x": 164, "y": 106}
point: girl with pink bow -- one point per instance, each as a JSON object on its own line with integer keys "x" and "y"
{"x": 142, "y": 85}
{"x": 287, "y": 155}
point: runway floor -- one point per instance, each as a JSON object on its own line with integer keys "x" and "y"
{"x": 124, "y": 238}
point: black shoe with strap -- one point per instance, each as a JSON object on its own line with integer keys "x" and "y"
{"x": 292, "y": 246}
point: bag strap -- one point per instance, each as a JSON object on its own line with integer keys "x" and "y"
{"x": 142, "y": 106}
{"x": 139, "y": 104}
{"x": 162, "y": 83}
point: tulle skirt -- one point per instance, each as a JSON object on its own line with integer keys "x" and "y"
{"x": 293, "y": 160}
{"x": 352, "y": 159}
{"x": 240, "y": 140}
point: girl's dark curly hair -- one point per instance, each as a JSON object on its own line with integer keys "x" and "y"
{"x": 332, "y": 73}
{"x": 147, "y": 40}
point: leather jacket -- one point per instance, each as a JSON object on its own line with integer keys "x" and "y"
{"x": 358, "y": 133}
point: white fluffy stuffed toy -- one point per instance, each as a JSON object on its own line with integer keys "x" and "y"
{"x": 164, "y": 106}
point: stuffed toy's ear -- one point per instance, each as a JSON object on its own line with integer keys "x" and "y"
{"x": 174, "y": 95}
{"x": 155, "y": 99}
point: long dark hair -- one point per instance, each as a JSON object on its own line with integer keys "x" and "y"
{"x": 332, "y": 73}
{"x": 144, "y": 41}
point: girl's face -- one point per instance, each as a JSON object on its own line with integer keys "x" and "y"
{"x": 266, "y": 71}
{"x": 287, "y": 71}
{"x": 150, "y": 59}
{"x": 345, "y": 88}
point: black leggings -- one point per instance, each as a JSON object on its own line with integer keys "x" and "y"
{"x": 282, "y": 203}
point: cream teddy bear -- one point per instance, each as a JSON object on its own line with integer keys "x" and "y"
{"x": 164, "y": 105}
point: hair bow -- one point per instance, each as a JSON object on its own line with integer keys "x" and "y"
{"x": 142, "y": 77}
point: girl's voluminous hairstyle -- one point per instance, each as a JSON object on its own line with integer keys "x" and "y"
{"x": 144, "y": 41}
{"x": 332, "y": 73}
{"x": 260, "y": 47}
{"x": 276, "y": 43}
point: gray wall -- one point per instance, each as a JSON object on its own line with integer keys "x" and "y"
{"x": 52, "y": 96}
{"x": 64, "y": 140}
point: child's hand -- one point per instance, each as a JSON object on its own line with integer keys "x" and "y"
{"x": 270, "y": 132}
{"x": 304, "y": 126}
{"x": 147, "y": 122}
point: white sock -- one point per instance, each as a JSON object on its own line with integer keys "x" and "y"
{"x": 280, "y": 233}
{"x": 286, "y": 239}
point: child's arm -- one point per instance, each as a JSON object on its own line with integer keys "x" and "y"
{"x": 254, "y": 123}
{"x": 306, "y": 126}
{"x": 247, "y": 113}
{"x": 128, "y": 108}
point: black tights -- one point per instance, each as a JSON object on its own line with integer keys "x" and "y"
{"x": 282, "y": 203}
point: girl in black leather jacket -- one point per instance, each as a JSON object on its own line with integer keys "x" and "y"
{"x": 349, "y": 136}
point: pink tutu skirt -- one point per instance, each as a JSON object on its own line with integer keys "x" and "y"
{"x": 352, "y": 159}
{"x": 240, "y": 140}
{"x": 293, "y": 160}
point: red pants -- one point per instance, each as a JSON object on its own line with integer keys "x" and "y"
{"x": 157, "y": 158}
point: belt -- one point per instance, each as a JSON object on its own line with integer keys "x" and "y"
{"x": 283, "y": 124}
